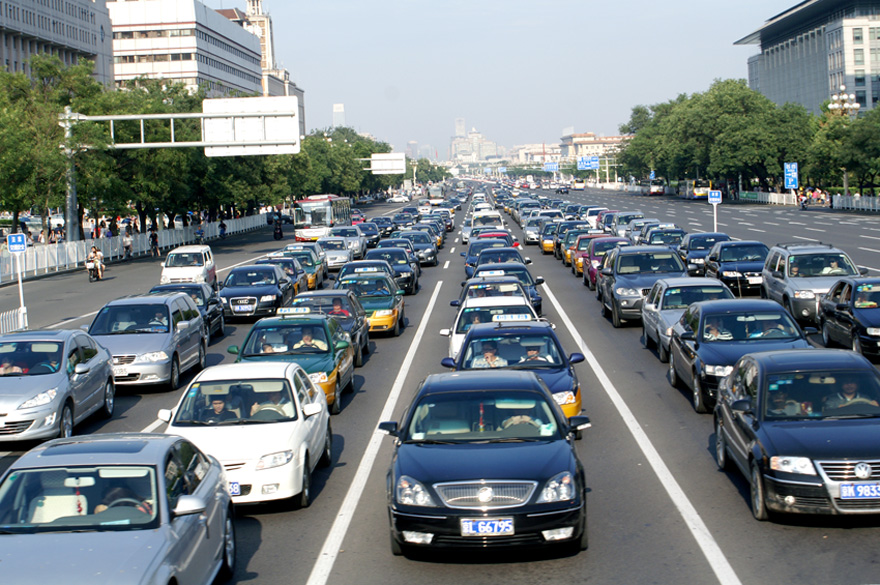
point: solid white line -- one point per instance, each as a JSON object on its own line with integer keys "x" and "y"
{"x": 796, "y": 223}
{"x": 719, "y": 563}
{"x": 724, "y": 224}
{"x": 327, "y": 557}
{"x": 770, "y": 223}
{"x": 153, "y": 426}
{"x": 240, "y": 263}
{"x": 745, "y": 223}
{"x": 803, "y": 238}
{"x": 446, "y": 265}
{"x": 870, "y": 250}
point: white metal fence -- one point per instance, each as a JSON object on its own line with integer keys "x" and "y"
{"x": 46, "y": 258}
{"x": 856, "y": 203}
{"x": 15, "y": 320}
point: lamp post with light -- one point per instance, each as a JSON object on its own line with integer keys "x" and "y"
{"x": 845, "y": 105}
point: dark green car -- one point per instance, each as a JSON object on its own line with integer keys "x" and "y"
{"x": 381, "y": 299}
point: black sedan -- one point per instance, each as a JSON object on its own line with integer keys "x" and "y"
{"x": 385, "y": 225}
{"x": 850, "y": 315}
{"x": 405, "y": 267}
{"x": 485, "y": 460}
{"x": 347, "y": 309}
{"x": 206, "y": 300}
{"x": 712, "y": 335}
{"x": 695, "y": 247}
{"x": 804, "y": 428}
{"x": 255, "y": 290}
{"x": 738, "y": 264}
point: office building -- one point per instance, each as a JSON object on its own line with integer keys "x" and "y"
{"x": 814, "y": 47}
{"x": 72, "y": 30}
{"x": 412, "y": 149}
{"x": 338, "y": 115}
{"x": 460, "y": 128}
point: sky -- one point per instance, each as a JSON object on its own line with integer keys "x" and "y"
{"x": 518, "y": 71}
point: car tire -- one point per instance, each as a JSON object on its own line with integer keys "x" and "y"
{"x": 336, "y": 406}
{"x": 673, "y": 376}
{"x": 826, "y": 335}
{"x": 109, "y": 399}
{"x": 221, "y": 329}
{"x": 396, "y": 331}
{"x": 227, "y": 568}
{"x": 603, "y": 310}
{"x": 65, "y": 422}
{"x": 327, "y": 453}
{"x": 662, "y": 353}
{"x": 788, "y": 307}
{"x": 174, "y": 378}
{"x": 646, "y": 339}
{"x": 304, "y": 498}
{"x": 699, "y": 397}
{"x": 616, "y": 321}
{"x": 203, "y": 358}
{"x": 366, "y": 348}
{"x": 856, "y": 343}
{"x": 721, "y": 457}
{"x": 358, "y": 356}
{"x": 590, "y": 284}
{"x": 756, "y": 494}
{"x": 763, "y": 293}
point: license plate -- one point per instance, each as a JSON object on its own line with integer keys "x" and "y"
{"x": 486, "y": 526}
{"x": 120, "y": 371}
{"x": 234, "y": 488}
{"x": 241, "y": 308}
{"x": 859, "y": 491}
{"x": 756, "y": 279}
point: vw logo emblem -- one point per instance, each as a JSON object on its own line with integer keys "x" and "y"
{"x": 485, "y": 495}
{"x": 863, "y": 470}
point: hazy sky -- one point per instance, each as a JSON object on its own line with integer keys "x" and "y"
{"x": 517, "y": 71}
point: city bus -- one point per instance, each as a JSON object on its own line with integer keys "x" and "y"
{"x": 316, "y": 214}
{"x": 694, "y": 189}
{"x": 578, "y": 185}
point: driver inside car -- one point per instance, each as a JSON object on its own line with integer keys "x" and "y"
{"x": 275, "y": 401}
{"x": 848, "y": 394}
{"x": 123, "y": 496}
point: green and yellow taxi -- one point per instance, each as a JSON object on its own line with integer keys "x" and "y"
{"x": 546, "y": 238}
{"x": 310, "y": 262}
{"x": 381, "y": 299}
{"x": 315, "y": 341}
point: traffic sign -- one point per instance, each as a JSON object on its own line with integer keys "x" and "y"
{"x": 653, "y": 175}
{"x": 502, "y": 169}
{"x": 16, "y": 243}
{"x": 594, "y": 163}
{"x": 583, "y": 163}
{"x": 551, "y": 167}
{"x": 791, "y": 175}
{"x": 714, "y": 197}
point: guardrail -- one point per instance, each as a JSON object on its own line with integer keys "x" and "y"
{"x": 768, "y": 198}
{"x": 15, "y": 320}
{"x": 849, "y": 202}
{"x": 43, "y": 259}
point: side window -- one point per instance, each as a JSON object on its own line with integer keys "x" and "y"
{"x": 772, "y": 261}
{"x": 845, "y": 296}
{"x": 192, "y": 311}
{"x": 73, "y": 357}
{"x": 302, "y": 390}
{"x": 692, "y": 319}
{"x": 654, "y": 295}
{"x": 750, "y": 380}
{"x": 736, "y": 380}
{"x": 87, "y": 347}
{"x": 175, "y": 486}
{"x": 184, "y": 471}
{"x": 176, "y": 316}
{"x": 834, "y": 293}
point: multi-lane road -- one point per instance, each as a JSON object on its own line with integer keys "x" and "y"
{"x": 659, "y": 511}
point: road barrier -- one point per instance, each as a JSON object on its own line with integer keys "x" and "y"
{"x": 849, "y": 202}
{"x": 15, "y": 320}
{"x": 42, "y": 259}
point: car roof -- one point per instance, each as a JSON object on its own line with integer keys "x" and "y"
{"x": 263, "y": 267}
{"x": 730, "y": 305}
{"x": 159, "y": 298}
{"x": 684, "y": 281}
{"x": 38, "y": 335}
{"x": 102, "y": 448}
{"x": 190, "y": 249}
{"x": 511, "y": 328}
{"x": 485, "y": 302}
{"x": 818, "y": 359}
{"x": 334, "y": 292}
{"x": 246, "y": 370}
{"x": 642, "y": 249}
{"x": 482, "y": 380}
{"x": 731, "y": 243}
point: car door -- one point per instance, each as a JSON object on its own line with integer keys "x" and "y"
{"x": 360, "y": 320}
{"x": 78, "y": 383}
{"x": 743, "y": 428}
{"x": 688, "y": 347}
{"x": 212, "y": 269}
{"x": 843, "y": 316}
{"x": 651, "y": 312}
{"x": 345, "y": 357}
{"x": 93, "y": 387}
{"x": 183, "y": 338}
{"x": 775, "y": 286}
{"x": 310, "y": 426}
{"x": 828, "y": 307}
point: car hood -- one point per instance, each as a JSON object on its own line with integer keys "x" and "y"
{"x": 852, "y": 439}
{"x": 669, "y": 317}
{"x": 742, "y": 266}
{"x": 640, "y": 281}
{"x": 133, "y": 343}
{"x": 868, "y": 317}
{"x": 422, "y": 246}
{"x": 250, "y": 291}
{"x": 239, "y": 442}
{"x": 697, "y": 254}
{"x": 817, "y": 284}
{"x": 440, "y": 463}
{"x": 376, "y": 304}
{"x": 310, "y": 362}
{"x": 97, "y": 558}
{"x": 338, "y": 254}
{"x": 557, "y": 379}
{"x": 16, "y": 389}
{"x": 183, "y": 271}
{"x": 723, "y": 353}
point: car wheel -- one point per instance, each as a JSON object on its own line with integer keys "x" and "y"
{"x": 396, "y": 331}
{"x": 646, "y": 339}
{"x": 366, "y": 349}
{"x": 305, "y": 496}
{"x": 174, "y": 378}
{"x": 856, "y": 343}
{"x": 720, "y": 448}
{"x": 65, "y": 422}
{"x": 573, "y": 271}
{"x": 826, "y": 335}
{"x": 763, "y": 293}
{"x": 590, "y": 284}
{"x": 358, "y": 356}
{"x": 788, "y": 307}
{"x": 662, "y": 352}
{"x": 203, "y": 358}
{"x": 109, "y": 399}
{"x": 221, "y": 329}
{"x": 615, "y": 315}
{"x": 227, "y": 569}
{"x": 699, "y": 397}
{"x": 673, "y": 376}
{"x": 756, "y": 492}
{"x": 327, "y": 454}
{"x": 336, "y": 405}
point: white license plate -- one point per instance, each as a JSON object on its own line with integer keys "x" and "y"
{"x": 486, "y": 526}
{"x": 234, "y": 488}
{"x": 120, "y": 371}
{"x": 859, "y": 491}
{"x": 756, "y": 279}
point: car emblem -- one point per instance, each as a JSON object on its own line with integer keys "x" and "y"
{"x": 485, "y": 495}
{"x": 863, "y": 470}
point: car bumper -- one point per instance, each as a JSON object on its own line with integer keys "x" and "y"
{"x": 548, "y": 246}
{"x": 531, "y": 238}
{"x": 807, "y": 498}
{"x": 336, "y": 264}
{"x": 386, "y": 323}
{"x": 264, "y": 485}
{"x": 428, "y": 258}
{"x": 445, "y": 526}
{"x": 142, "y": 373}
{"x": 258, "y": 311}
{"x": 572, "y": 408}
{"x": 805, "y": 309}
{"x": 312, "y": 280}
{"x": 740, "y": 285}
{"x": 41, "y": 422}
{"x": 630, "y": 307}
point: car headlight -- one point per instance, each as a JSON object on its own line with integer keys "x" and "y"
{"x": 627, "y": 292}
{"x": 267, "y": 299}
{"x": 559, "y": 488}
{"x": 318, "y": 377}
{"x": 802, "y": 465}
{"x": 731, "y": 274}
{"x": 153, "y": 356}
{"x": 874, "y": 331}
{"x": 164, "y": 279}
{"x": 804, "y": 294}
{"x": 274, "y": 460}
{"x": 224, "y": 300}
{"x": 719, "y": 371}
{"x": 40, "y": 399}
{"x": 595, "y": 263}
{"x": 405, "y": 273}
{"x": 352, "y": 245}
{"x": 563, "y": 398}
{"x": 383, "y": 313}
{"x": 412, "y": 493}
{"x": 199, "y": 278}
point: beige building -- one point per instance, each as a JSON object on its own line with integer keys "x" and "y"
{"x": 534, "y": 154}
{"x": 575, "y": 146}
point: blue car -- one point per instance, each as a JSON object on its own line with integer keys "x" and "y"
{"x": 473, "y": 251}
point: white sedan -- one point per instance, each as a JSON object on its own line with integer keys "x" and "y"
{"x": 265, "y": 422}
{"x": 399, "y": 199}
{"x": 490, "y": 309}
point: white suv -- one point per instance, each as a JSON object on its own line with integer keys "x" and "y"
{"x": 189, "y": 264}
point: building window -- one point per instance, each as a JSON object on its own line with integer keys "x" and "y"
{"x": 859, "y": 56}
{"x": 874, "y": 33}
{"x": 875, "y": 55}
{"x": 860, "y": 76}
{"x": 861, "y": 98}
{"x": 857, "y": 36}
{"x": 875, "y": 96}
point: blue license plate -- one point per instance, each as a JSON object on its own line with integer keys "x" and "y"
{"x": 234, "y": 488}
{"x": 859, "y": 491}
{"x": 486, "y": 526}
{"x": 241, "y": 308}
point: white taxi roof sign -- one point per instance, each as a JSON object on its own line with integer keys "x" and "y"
{"x": 509, "y": 318}
{"x": 293, "y": 311}
{"x": 363, "y": 269}
{"x": 492, "y": 273}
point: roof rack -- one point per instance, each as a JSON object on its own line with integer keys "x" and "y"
{"x": 787, "y": 245}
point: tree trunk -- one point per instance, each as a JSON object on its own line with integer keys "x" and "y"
{"x": 142, "y": 217}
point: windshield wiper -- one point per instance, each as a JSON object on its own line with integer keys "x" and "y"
{"x": 431, "y": 442}
{"x": 512, "y": 440}
{"x": 852, "y": 415}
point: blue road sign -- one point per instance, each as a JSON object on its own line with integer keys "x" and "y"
{"x": 487, "y": 171}
{"x": 502, "y": 169}
{"x": 594, "y": 163}
{"x": 791, "y": 175}
{"x": 583, "y": 163}
{"x": 714, "y": 197}
{"x": 653, "y": 175}
{"x": 551, "y": 167}
{"x": 16, "y": 243}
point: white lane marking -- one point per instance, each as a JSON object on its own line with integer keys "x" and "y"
{"x": 452, "y": 250}
{"x": 446, "y": 265}
{"x": 241, "y": 263}
{"x": 711, "y": 550}
{"x": 814, "y": 230}
{"x": 455, "y": 241}
{"x": 724, "y": 224}
{"x": 796, "y": 223}
{"x": 327, "y": 557}
{"x": 770, "y": 223}
{"x": 870, "y": 237}
{"x": 870, "y": 250}
{"x": 803, "y": 238}
{"x": 153, "y": 426}
{"x": 756, "y": 230}
{"x": 745, "y": 223}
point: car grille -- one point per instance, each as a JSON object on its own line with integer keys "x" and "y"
{"x": 845, "y": 470}
{"x": 176, "y": 280}
{"x": 488, "y": 542}
{"x": 243, "y": 305}
{"x": 872, "y": 505}
{"x": 121, "y": 360}
{"x": 233, "y": 466}
{"x": 15, "y": 428}
{"x": 486, "y": 495}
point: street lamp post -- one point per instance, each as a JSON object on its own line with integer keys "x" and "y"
{"x": 844, "y": 104}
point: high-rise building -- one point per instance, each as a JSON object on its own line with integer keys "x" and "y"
{"x": 814, "y": 47}
{"x": 412, "y": 149}
{"x": 460, "y": 128}
{"x": 72, "y": 30}
{"x": 338, "y": 115}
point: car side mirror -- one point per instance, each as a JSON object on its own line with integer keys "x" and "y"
{"x": 447, "y": 362}
{"x": 389, "y": 427}
{"x": 84, "y": 328}
{"x": 742, "y": 405}
{"x": 165, "y": 414}
{"x": 649, "y": 306}
{"x": 455, "y": 303}
{"x": 340, "y": 345}
{"x": 576, "y": 358}
{"x": 713, "y": 259}
{"x": 539, "y": 280}
{"x": 842, "y": 307}
{"x": 578, "y": 423}
{"x": 233, "y": 349}
{"x": 528, "y": 260}
{"x": 445, "y": 332}
{"x": 687, "y": 336}
{"x": 810, "y": 330}
{"x": 80, "y": 369}
{"x": 863, "y": 271}
{"x": 692, "y": 269}
{"x": 606, "y": 272}
{"x": 776, "y": 274}
{"x": 189, "y": 505}
{"x": 312, "y": 409}
{"x": 213, "y": 301}
{"x": 182, "y": 325}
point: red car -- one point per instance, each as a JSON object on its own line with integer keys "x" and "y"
{"x": 594, "y": 255}
{"x": 357, "y": 216}
{"x": 578, "y": 251}
{"x": 501, "y": 236}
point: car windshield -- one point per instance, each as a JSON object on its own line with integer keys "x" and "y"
{"x": 338, "y": 306}
{"x": 369, "y": 229}
{"x": 345, "y": 232}
{"x": 821, "y": 394}
{"x": 751, "y": 327}
{"x": 493, "y": 256}
{"x": 393, "y": 258}
{"x": 420, "y": 238}
{"x": 512, "y": 352}
{"x": 705, "y": 242}
{"x": 348, "y": 269}
{"x": 30, "y": 358}
{"x": 676, "y": 297}
{"x": 520, "y": 273}
{"x": 486, "y": 220}
{"x": 667, "y": 238}
{"x": 474, "y": 315}
{"x": 285, "y": 264}
{"x": 476, "y": 247}
{"x": 645, "y": 263}
{"x": 482, "y": 416}
{"x": 124, "y": 319}
{"x": 179, "y": 259}
{"x": 305, "y": 258}
{"x": 195, "y": 293}
{"x": 371, "y": 287}
{"x": 286, "y": 338}
{"x": 601, "y": 248}
{"x": 549, "y": 229}
{"x": 82, "y": 499}
{"x": 492, "y": 289}
{"x": 251, "y": 278}
{"x": 745, "y": 253}
{"x": 235, "y": 402}
{"x": 830, "y": 264}
{"x": 333, "y": 244}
